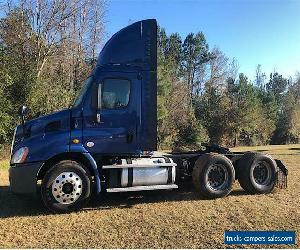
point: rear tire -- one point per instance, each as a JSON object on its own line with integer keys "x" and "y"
{"x": 256, "y": 173}
{"x": 66, "y": 187}
{"x": 213, "y": 175}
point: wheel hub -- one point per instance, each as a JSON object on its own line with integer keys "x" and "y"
{"x": 262, "y": 173}
{"x": 67, "y": 187}
{"x": 217, "y": 176}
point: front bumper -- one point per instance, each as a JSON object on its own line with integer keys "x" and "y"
{"x": 23, "y": 177}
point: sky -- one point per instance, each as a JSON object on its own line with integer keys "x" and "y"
{"x": 265, "y": 32}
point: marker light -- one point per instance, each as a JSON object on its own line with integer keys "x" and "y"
{"x": 20, "y": 155}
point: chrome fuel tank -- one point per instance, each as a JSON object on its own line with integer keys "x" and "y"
{"x": 149, "y": 171}
{"x": 148, "y": 176}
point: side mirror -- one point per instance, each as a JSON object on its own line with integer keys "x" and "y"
{"x": 23, "y": 112}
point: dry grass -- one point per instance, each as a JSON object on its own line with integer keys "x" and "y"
{"x": 4, "y": 151}
{"x": 157, "y": 219}
{"x": 293, "y": 149}
{"x": 4, "y": 164}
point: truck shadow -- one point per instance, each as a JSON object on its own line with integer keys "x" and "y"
{"x": 296, "y": 150}
{"x": 127, "y": 200}
{"x": 12, "y": 205}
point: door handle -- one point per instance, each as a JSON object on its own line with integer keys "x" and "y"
{"x": 129, "y": 137}
{"x": 99, "y": 118}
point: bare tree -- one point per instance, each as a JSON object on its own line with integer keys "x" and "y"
{"x": 59, "y": 27}
{"x": 56, "y": 40}
{"x": 221, "y": 68}
{"x": 260, "y": 77}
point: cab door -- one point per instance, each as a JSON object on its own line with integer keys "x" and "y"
{"x": 110, "y": 126}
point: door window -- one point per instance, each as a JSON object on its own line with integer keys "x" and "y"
{"x": 115, "y": 93}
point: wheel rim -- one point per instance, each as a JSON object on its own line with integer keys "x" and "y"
{"x": 217, "y": 177}
{"x": 262, "y": 173}
{"x": 67, "y": 187}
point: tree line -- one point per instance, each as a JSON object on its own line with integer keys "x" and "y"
{"x": 48, "y": 48}
{"x": 202, "y": 98}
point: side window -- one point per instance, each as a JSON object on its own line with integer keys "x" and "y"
{"x": 115, "y": 93}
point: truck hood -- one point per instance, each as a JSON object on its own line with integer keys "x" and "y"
{"x": 41, "y": 125}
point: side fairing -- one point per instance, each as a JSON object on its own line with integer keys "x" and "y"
{"x": 135, "y": 45}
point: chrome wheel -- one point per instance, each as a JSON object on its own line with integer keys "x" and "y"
{"x": 262, "y": 173}
{"x": 67, "y": 187}
{"x": 217, "y": 177}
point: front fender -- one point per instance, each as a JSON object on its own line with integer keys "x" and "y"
{"x": 78, "y": 148}
{"x": 93, "y": 164}
{"x": 77, "y": 153}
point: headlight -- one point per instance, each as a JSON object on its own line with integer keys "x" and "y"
{"x": 20, "y": 155}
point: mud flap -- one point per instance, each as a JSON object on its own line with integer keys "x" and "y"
{"x": 281, "y": 175}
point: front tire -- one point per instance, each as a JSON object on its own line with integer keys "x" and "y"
{"x": 66, "y": 187}
{"x": 213, "y": 176}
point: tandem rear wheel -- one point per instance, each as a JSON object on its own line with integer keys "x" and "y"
{"x": 256, "y": 173}
{"x": 213, "y": 175}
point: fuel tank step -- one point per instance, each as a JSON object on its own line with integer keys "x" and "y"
{"x": 139, "y": 165}
{"x": 141, "y": 188}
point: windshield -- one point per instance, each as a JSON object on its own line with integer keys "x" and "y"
{"x": 86, "y": 85}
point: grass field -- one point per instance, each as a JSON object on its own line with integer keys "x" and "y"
{"x": 156, "y": 219}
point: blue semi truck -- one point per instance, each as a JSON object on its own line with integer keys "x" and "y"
{"x": 107, "y": 141}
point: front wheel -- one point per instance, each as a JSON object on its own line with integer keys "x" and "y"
{"x": 66, "y": 187}
{"x": 213, "y": 175}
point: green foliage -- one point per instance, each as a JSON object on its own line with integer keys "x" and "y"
{"x": 288, "y": 125}
{"x": 195, "y": 54}
{"x": 277, "y": 85}
{"x": 237, "y": 115}
{"x": 47, "y": 96}
{"x": 246, "y": 111}
{"x": 177, "y": 125}
{"x": 6, "y": 107}
{"x": 16, "y": 69}
{"x": 17, "y": 45}
{"x": 210, "y": 110}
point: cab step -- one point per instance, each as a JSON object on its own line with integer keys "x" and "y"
{"x": 141, "y": 188}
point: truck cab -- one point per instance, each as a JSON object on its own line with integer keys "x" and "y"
{"x": 106, "y": 141}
